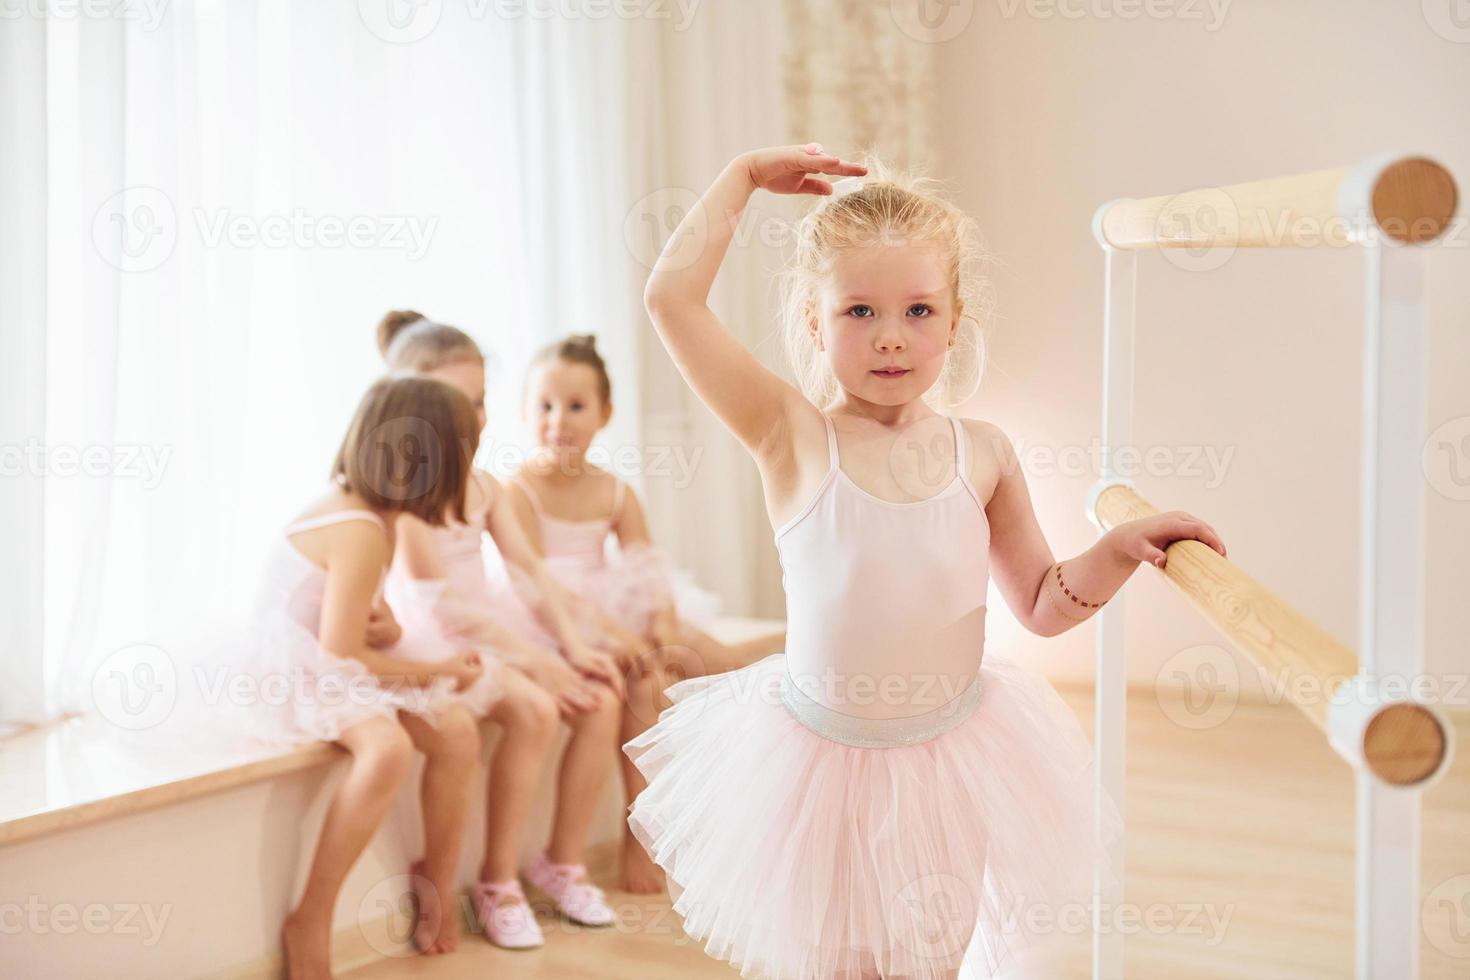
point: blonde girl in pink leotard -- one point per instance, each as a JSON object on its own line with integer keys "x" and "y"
{"x": 885, "y": 794}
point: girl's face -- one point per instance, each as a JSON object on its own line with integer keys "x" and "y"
{"x": 469, "y": 378}
{"x": 886, "y": 318}
{"x": 564, "y": 407}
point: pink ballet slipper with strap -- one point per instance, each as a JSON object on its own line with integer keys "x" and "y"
{"x": 510, "y": 926}
{"x": 580, "y": 901}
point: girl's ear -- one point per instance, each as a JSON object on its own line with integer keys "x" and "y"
{"x": 813, "y": 328}
{"x": 954, "y": 326}
{"x": 607, "y": 411}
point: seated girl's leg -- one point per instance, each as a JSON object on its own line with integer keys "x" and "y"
{"x": 584, "y": 770}
{"x": 690, "y": 652}
{"x": 527, "y": 717}
{"x": 381, "y": 754}
{"x": 645, "y": 699}
{"x": 451, "y": 748}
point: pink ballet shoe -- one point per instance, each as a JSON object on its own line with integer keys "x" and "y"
{"x": 508, "y": 926}
{"x": 580, "y": 901}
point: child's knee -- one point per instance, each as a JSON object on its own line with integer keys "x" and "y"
{"x": 608, "y": 709}
{"x": 385, "y": 755}
{"x": 458, "y": 735}
{"x": 531, "y": 712}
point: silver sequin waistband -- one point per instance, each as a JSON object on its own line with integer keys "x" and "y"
{"x": 878, "y": 733}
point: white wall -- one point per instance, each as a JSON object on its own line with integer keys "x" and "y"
{"x": 1043, "y": 118}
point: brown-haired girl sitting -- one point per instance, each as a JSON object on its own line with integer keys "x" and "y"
{"x": 408, "y": 450}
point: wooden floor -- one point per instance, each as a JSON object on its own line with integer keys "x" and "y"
{"x": 1240, "y": 850}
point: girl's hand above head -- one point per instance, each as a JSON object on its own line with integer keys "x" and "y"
{"x": 1146, "y": 538}
{"x": 789, "y": 169}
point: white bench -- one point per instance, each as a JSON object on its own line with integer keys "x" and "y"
{"x": 179, "y": 864}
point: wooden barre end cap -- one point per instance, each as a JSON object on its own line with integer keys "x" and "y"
{"x": 1404, "y": 744}
{"x": 1414, "y": 200}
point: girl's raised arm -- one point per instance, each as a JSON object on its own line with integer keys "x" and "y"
{"x": 752, "y": 401}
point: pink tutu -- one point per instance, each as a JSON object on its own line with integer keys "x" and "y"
{"x": 792, "y": 855}
{"x": 509, "y": 597}
{"x": 634, "y": 584}
{"x": 413, "y": 602}
{"x": 298, "y": 691}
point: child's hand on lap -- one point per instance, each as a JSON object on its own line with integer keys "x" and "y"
{"x": 597, "y": 664}
{"x": 465, "y": 667}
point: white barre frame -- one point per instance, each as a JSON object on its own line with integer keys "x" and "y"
{"x": 1391, "y": 582}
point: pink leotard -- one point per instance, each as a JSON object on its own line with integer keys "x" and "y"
{"x": 885, "y": 603}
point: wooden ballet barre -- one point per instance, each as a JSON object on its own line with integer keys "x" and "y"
{"x": 1407, "y": 199}
{"x": 1401, "y": 742}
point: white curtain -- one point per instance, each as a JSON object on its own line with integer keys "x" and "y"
{"x": 212, "y": 203}
{"x": 22, "y": 366}
{"x": 202, "y": 218}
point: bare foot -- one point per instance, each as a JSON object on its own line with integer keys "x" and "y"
{"x": 437, "y": 928}
{"x": 308, "y": 949}
{"x": 640, "y": 875}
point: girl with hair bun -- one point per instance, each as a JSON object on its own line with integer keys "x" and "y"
{"x": 440, "y": 591}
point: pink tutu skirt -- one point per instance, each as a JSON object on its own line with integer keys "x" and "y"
{"x": 302, "y": 693}
{"x": 634, "y": 585}
{"x": 413, "y": 602}
{"x": 793, "y": 855}
{"x": 509, "y": 597}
